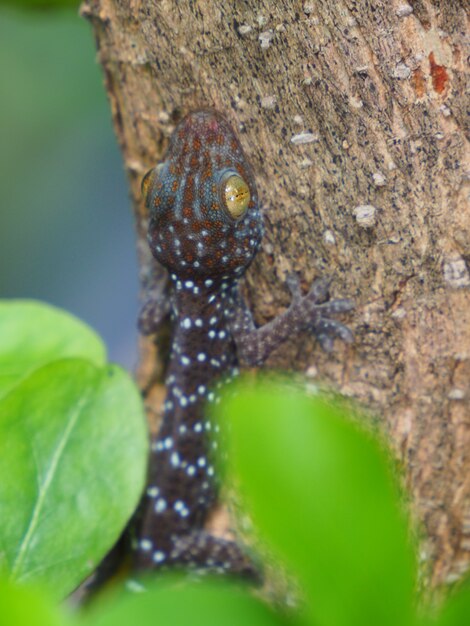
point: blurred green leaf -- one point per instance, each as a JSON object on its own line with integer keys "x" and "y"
{"x": 22, "y": 606}
{"x": 456, "y": 611}
{"x": 40, "y": 4}
{"x": 321, "y": 491}
{"x": 33, "y": 333}
{"x": 206, "y": 603}
{"x": 73, "y": 449}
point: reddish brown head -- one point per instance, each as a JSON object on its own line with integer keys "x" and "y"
{"x": 204, "y": 216}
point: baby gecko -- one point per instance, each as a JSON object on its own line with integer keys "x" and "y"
{"x": 205, "y": 228}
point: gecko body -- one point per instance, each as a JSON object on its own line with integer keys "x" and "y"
{"x": 205, "y": 228}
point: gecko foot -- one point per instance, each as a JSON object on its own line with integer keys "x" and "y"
{"x": 202, "y": 551}
{"x": 314, "y": 310}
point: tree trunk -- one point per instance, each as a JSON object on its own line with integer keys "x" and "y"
{"x": 353, "y": 115}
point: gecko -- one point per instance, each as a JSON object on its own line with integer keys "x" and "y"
{"x": 205, "y": 228}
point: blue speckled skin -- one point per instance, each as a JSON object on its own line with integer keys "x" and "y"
{"x": 206, "y": 251}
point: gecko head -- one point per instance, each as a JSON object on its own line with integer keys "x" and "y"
{"x": 203, "y": 203}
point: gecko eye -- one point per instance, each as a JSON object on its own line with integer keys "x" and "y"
{"x": 236, "y": 195}
{"x": 149, "y": 179}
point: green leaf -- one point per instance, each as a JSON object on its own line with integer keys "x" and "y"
{"x": 33, "y": 334}
{"x": 41, "y": 4}
{"x": 22, "y": 606}
{"x": 73, "y": 448}
{"x": 321, "y": 491}
{"x": 208, "y": 603}
{"x": 456, "y": 611}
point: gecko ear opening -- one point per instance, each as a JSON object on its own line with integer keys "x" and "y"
{"x": 235, "y": 195}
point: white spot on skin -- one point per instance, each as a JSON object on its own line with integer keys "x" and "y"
{"x": 182, "y": 429}
{"x": 183, "y": 401}
{"x": 201, "y": 357}
{"x": 189, "y": 284}
{"x": 201, "y": 461}
{"x": 160, "y": 505}
{"x": 191, "y": 470}
{"x": 198, "y": 427}
{"x": 222, "y": 334}
{"x": 212, "y": 321}
{"x": 178, "y": 505}
{"x": 153, "y": 492}
{"x": 186, "y": 323}
{"x": 145, "y": 545}
{"x": 199, "y": 323}
{"x": 158, "y": 556}
{"x": 201, "y": 389}
{"x": 211, "y": 334}
{"x": 175, "y": 459}
{"x": 210, "y": 396}
{"x": 168, "y": 443}
{"x": 208, "y": 282}
{"x": 185, "y": 360}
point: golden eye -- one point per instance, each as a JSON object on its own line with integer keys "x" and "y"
{"x": 236, "y": 195}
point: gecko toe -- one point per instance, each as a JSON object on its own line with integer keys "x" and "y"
{"x": 327, "y": 330}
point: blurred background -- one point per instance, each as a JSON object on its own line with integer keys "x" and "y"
{"x": 66, "y": 229}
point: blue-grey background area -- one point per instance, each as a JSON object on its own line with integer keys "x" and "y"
{"x": 66, "y": 229}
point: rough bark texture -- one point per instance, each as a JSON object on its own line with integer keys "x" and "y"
{"x": 341, "y": 106}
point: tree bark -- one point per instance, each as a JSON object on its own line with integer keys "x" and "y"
{"x": 353, "y": 115}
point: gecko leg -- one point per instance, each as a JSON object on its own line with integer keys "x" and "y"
{"x": 310, "y": 312}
